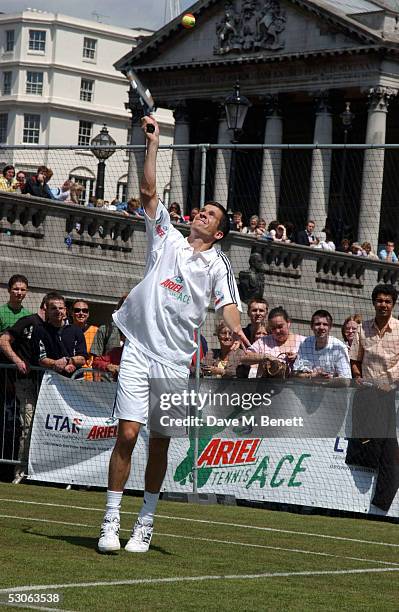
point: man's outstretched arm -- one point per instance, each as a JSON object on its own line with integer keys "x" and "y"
{"x": 231, "y": 316}
{"x": 148, "y": 186}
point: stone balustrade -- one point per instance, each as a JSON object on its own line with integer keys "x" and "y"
{"x": 100, "y": 255}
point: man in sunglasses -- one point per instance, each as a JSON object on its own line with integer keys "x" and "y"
{"x": 80, "y": 316}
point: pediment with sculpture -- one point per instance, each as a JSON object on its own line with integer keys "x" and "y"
{"x": 250, "y": 25}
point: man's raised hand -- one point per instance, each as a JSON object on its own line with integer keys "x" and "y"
{"x": 148, "y": 123}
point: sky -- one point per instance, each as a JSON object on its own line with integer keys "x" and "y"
{"x": 126, "y": 13}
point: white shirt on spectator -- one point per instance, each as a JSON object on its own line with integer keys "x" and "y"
{"x": 333, "y": 358}
{"x": 161, "y": 313}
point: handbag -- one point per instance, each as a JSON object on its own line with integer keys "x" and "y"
{"x": 273, "y": 367}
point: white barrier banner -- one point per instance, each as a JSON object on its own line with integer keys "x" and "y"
{"x": 73, "y": 435}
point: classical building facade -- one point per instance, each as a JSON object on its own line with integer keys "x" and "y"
{"x": 299, "y": 62}
{"x": 58, "y": 87}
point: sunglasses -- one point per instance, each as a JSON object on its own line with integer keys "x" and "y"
{"x": 84, "y": 310}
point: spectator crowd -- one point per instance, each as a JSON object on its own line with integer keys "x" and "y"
{"x": 65, "y": 341}
{"x": 70, "y": 192}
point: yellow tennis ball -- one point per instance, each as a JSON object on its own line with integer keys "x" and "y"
{"x": 188, "y": 21}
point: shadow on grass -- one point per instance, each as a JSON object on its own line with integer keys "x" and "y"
{"x": 90, "y": 543}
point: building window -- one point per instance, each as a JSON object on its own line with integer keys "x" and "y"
{"x": 37, "y": 40}
{"x": 3, "y": 127}
{"x": 34, "y": 83}
{"x": 84, "y": 135}
{"x": 7, "y": 77}
{"x": 31, "y": 129}
{"x": 10, "y": 39}
{"x": 89, "y": 48}
{"x": 88, "y": 184}
{"x": 121, "y": 191}
{"x": 86, "y": 90}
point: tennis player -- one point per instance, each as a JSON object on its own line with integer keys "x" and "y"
{"x": 158, "y": 319}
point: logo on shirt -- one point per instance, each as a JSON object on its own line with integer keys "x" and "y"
{"x": 160, "y": 230}
{"x": 175, "y": 288}
{"x": 219, "y": 296}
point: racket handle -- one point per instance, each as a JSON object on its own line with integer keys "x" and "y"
{"x": 150, "y": 128}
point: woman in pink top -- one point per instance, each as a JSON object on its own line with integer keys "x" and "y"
{"x": 280, "y": 344}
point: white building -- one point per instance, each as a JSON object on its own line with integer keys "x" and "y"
{"x": 58, "y": 86}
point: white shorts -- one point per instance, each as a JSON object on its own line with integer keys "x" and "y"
{"x": 141, "y": 381}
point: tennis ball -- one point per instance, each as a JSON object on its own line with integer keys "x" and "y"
{"x": 188, "y": 21}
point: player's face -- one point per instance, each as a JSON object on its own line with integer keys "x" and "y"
{"x": 257, "y": 313}
{"x": 80, "y": 313}
{"x": 206, "y": 223}
{"x": 56, "y": 312}
{"x": 383, "y": 305}
{"x": 18, "y": 292}
{"x": 321, "y": 327}
{"x": 279, "y": 328}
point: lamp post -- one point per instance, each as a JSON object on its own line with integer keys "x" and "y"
{"x": 347, "y": 118}
{"x": 98, "y": 147}
{"x": 236, "y": 107}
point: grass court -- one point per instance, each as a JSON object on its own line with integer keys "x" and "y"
{"x": 202, "y": 557}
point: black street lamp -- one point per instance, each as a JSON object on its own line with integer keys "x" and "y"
{"x": 236, "y": 107}
{"x": 347, "y": 118}
{"x": 98, "y": 147}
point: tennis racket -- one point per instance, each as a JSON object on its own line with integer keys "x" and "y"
{"x": 144, "y": 94}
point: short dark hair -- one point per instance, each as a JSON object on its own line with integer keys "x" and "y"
{"x": 8, "y": 167}
{"x": 224, "y": 224}
{"x": 258, "y": 301}
{"x": 52, "y": 297}
{"x": 79, "y": 300}
{"x": 42, "y": 170}
{"x": 321, "y": 313}
{"x": 386, "y": 290}
{"x": 279, "y": 311}
{"x": 17, "y": 278}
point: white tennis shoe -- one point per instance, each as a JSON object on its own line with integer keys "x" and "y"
{"x": 140, "y": 538}
{"x": 109, "y": 535}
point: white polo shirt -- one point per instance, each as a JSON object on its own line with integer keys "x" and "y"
{"x": 333, "y": 358}
{"x": 161, "y": 312}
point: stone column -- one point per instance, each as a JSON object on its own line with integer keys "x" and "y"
{"x": 321, "y": 163}
{"x": 373, "y": 165}
{"x": 180, "y": 158}
{"x": 223, "y": 159}
{"x": 136, "y": 157}
{"x": 271, "y": 163}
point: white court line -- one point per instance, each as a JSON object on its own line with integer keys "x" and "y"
{"x": 226, "y": 524}
{"x": 174, "y": 579}
{"x": 211, "y": 540}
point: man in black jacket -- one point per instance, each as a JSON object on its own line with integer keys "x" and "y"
{"x": 37, "y": 185}
{"x": 306, "y": 236}
{"x": 56, "y": 345}
{"x": 16, "y": 348}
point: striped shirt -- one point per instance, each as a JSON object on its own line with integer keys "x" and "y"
{"x": 161, "y": 313}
